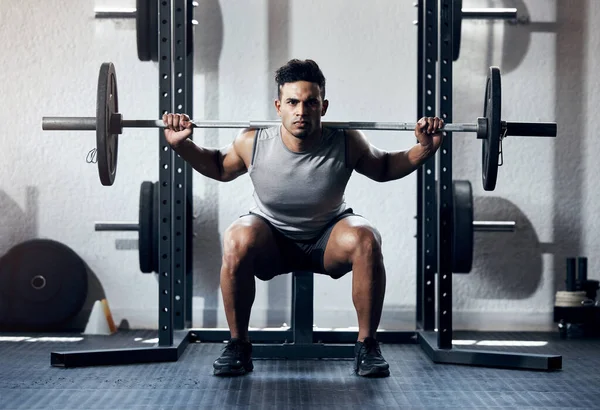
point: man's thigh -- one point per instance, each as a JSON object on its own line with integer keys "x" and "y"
{"x": 342, "y": 242}
{"x": 275, "y": 253}
{"x": 268, "y": 261}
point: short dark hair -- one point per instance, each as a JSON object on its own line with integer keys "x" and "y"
{"x": 300, "y": 70}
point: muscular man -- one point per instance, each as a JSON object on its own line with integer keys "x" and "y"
{"x": 301, "y": 222}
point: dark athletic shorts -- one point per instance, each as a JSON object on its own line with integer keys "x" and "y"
{"x": 302, "y": 255}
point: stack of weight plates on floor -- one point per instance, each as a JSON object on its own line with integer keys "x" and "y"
{"x": 572, "y": 299}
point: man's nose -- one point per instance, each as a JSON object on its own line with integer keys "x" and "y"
{"x": 300, "y": 109}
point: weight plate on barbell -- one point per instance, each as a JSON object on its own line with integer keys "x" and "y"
{"x": 456, "y": 28}
{"x": 107, "y": 143}
{"x": 146, "y": 24}
{"x": 49, "y": 285}
{"x": 146, "y": 227}
{"x": 491, "y": 144}
{"x": 462, "y": 232}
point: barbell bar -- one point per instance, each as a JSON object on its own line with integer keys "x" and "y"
{"x": 122, "y": 12}
{"x": 478, "y": 226}
{"x": 116, "y": 226}
{"x": 482, "y": 13}
{"x": 109, "y": 124}
{"x": 494, "y": 226}
{"x": 115, "y": 13}
{"x": 521, "y": 129}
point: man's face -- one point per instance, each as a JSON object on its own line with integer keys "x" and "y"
{"x": 301, "y": 107}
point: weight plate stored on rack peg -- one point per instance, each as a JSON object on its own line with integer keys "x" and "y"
{"x": 145, "y": 226}
{"x": 456, "y": 28}
{"x": 148, "y": 227}
{"x": 155, "y": 218}
{"x": 49, "y": 284}
{"x": 462, "y": 232}
{"x": 491, "y": 143}
{"x": 107, "y": 137}
{"x": 146, "y": 23}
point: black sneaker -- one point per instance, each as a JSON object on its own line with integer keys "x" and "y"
{"x": 368, "y": 360}
{"x": 235, "y": 360}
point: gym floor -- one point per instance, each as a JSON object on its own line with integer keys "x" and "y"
{"x": 27, "y": 381}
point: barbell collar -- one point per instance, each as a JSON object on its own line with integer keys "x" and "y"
{"x": 489, "y": 13}
{"x": 115, "y": 13}
{"x": 494, "y": 226}
{"x": 116, "y": 226}
{"x": 69, "y": 123}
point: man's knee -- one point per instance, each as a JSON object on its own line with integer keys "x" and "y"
{"x": 242, "y": 240}
{"x": 364, "y": 241}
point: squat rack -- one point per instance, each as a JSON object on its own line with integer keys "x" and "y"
{"x": 434, "y": 227}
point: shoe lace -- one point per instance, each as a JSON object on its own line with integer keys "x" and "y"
{"x": 233, "y": 348}
{"x": 371, "y": 347}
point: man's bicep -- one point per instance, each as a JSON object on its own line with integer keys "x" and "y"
{"x": 235, "y": 156}
{"x": 366, "y": 158}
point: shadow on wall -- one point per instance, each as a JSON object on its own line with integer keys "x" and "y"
{"x": 571, "y": 94}
{"x": 207, "y": 252}
{"x": 571, "y": 38}
{"x": 517, "y": 37}
{"x": 506, "y": 265}
{"x": 18, "y": 226}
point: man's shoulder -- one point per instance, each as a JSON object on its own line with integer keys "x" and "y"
{"x": 268, "y": 133}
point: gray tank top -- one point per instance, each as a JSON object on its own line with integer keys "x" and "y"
{"x": 299, "y": 193}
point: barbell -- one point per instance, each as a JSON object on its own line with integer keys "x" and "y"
{"x": 145, "y": 14}
{"x": 109, "y": 124}
{"x": 464, "y": 227}
{"x": 146, "y": 19}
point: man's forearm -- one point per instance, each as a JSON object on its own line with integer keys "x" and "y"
{"x": 204, "y": 160}
{"x": 402, "y": 163}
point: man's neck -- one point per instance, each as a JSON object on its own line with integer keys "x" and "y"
{"x": 296, "y": 144}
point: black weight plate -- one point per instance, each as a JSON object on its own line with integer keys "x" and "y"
{"x": 146, "y": 227}
{"x": 462, "y": 235}
{"x": 107, "y": 144}
{"x": 50, "y": 284}
{"x": 155, "y": 219}
{"x": 146, "y": 23}
{"x": 456, "y": 28}
{"x": 491, "y": 145}
{"x": 154, "y": 29}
